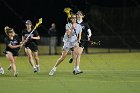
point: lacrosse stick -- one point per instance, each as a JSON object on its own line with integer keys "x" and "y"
{"x": 93, "y": 42}
{"x": 67, "y": 11}
{"x": 37, "y": 24}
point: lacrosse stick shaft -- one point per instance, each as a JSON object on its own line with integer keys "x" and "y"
{"x": 30, "y": 34}
{"x": 92, "y": 42}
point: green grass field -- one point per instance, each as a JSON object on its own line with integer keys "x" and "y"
{"x": 103, "y": 73}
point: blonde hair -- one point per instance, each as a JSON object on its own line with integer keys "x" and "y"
{"x": 9, "y": 30}
{"x": 73, "y": 16}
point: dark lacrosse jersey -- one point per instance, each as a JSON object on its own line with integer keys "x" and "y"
{"x": 85, "y": 28}
{"x": 30, "y": 41}
{"x": 15, "y": 41}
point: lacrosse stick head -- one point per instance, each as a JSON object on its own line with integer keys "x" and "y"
{"x": 39, "y": 22}
{"x": 68, "y": 12}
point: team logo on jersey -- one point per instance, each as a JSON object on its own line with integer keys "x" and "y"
{"x": 13, "y": 42}
{"x": 26, "y": 35}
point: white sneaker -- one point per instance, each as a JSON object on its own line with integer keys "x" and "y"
{"x": 35, "y": 70}
{"x": 52, "y": 71}
{"x": 75, "y": 72}
{"x": 1, "y": 70}
{"x": 38, "y": 69}
{"x": 15, "y": 74}
{"x": 80, "y": 71}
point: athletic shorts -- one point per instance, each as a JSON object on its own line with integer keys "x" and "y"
{"x": 82, "y": 44}
{"x": 69, "y": 45}
{"x": 32, "y": 47}
{"x": 14, "y": 53}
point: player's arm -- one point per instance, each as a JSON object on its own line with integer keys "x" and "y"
{"x": 23, "y": 37}
{"x": 11, "y": 46}
{"x": 16, "y": 46}
{"x": 79, "y": 37}
{"x": 23, "y": 40}
{"x": 80, "y": 33}
{"x": 69, "y": 30}
{"x": 36, "y": 35}
{"x": 89, "y": 32}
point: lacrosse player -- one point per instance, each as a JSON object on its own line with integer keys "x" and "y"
{"x": 13, "y": 45}
{"x": 71, "y": 41}
{"x": 31, "y": 47}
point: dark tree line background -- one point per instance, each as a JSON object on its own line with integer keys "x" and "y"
{"x": 114, "y": 22}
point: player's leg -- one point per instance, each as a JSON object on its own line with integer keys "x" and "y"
{"x": 10, "y": 57}
{"x": 14, "y": 63}
{"x": 63, "y": 56}
{"x": 72, "y": 56}
{"x": 30, "y": 58}
{"x": 78, "y": 51}
{"x": 86, "y": 47}
{"x": 37, "y": 60}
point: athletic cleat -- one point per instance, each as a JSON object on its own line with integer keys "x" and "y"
{"x": 1, "y": 70}
{"x": 16, "y": 74}
{"x": 35, "y": 70}
{"x": 74, "y": 72}
{"x": 77, "y": 72}
{"x": 70, "y": 60}
{"x": 38, "y": 69}
{"x": 52, "y": 71}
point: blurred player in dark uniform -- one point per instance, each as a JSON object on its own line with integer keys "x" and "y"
{"x": 12, "y": 47}
{"x": 86, "y": 32}
{"x": 31, "y": 47}
{"x": 85, "y": 37}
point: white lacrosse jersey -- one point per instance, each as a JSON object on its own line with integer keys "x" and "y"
{"x": 73, "y": 40}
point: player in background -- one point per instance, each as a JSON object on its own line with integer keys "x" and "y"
{"x": 85, "y": 37}
{"x": 31, "y": 47}
{"x": 13, "y": 45}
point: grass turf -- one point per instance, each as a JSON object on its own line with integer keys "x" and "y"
{"x": 103, "y": 73}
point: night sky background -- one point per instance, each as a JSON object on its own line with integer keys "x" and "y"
{"x": 14, "y": 13}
